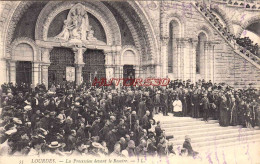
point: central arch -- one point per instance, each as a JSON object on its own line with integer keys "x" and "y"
{"x": 97, "y": 9}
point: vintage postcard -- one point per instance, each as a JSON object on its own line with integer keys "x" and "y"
{"x": 125, "y": 81}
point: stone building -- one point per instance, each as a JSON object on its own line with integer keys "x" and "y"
{"x": 40, "y": 40}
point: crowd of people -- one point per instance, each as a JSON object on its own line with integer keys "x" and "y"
{"x": 247, "y": 43}
{"x": 76, "y": 120}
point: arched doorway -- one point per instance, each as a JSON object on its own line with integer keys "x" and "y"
{"x": 23, "y": 55}
{"x": 23, "y": 72}
{"x": 94, "y": 65}
{"x": 60, "y": 58}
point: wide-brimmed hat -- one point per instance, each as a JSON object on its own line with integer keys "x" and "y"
{"x": 27, "y": 107}
{"x": 17, "y": 121}
{"x": 97, "y": 145}
{"x": 54, "y": 144}
{"x": 10, "y": 132}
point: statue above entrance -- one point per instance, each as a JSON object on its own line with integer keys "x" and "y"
{"x": 76, "y": 27}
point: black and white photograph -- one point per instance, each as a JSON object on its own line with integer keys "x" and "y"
{"x": 130, "y": 81}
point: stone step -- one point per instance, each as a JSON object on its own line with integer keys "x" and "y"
{"x": 203, "y": 138}
{"x": 188, "y": 131}
{"x": 211, "y": 133}
{"x": 187, "y": 127}
{"x": 217, "y": 142}
{"x": 188, "y": 123}
{"x": 223, "y": 145}
{"x": 215, "y": 146}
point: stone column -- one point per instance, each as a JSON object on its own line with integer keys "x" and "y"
{"x": 209, "y": 61}
{"x": 186, "y": 64}
{"x": 36, "y": 73}
{"x": 193, "y": 60}
{"x": 109, "y": 64}
{"x": 45, "y": 57}
{"x": 117, "y": 64}
{"x": 44, "y": 70}
{"x": 12, "y": 71}
{"x": 78, "y": 73}
{"x": 206, "y": 65}
{"x": 164, "y": 56}
{"x": 178, "y": 59}
{"x": 79, "y": 64}
{"x": 212, "y": 63}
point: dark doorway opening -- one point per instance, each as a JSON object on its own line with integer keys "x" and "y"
{"x": 24, "y": 72}
{"x": 94, "y": 65}
{"x": 60, "y": 59}
{"x": 128, "y": 73}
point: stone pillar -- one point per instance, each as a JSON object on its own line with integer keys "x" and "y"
{"x": 178, "y": 59}
{"x": 164, "y": 56}
{"x": 186, "y": 62}
{"x": 44, "y": 69}
{"x": 212, "y": 63}
{"x": 193, "y": 60}
{"x": 109, "y": 64}
{"x": 36, "y": 73}
{"x": 206, "y": 65}
{"x": 78, "y": 73}
{"x": 79, "y": 64}
{"x": 12, "y": 71}
{"x": 45, "y": 57}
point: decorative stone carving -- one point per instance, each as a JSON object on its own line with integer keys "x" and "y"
{"x": 97, "y": 9}
{"x": 76, "y": 26}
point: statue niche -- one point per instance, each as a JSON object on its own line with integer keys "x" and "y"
{"x": 76, "y": 26}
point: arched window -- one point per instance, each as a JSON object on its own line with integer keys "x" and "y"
{"x": 200, "y": 53}
{"x": 174, "y": 32}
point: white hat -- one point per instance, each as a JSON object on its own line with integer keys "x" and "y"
{"x": 10, "y": 132}
{"x": 16, "y": 120}
{"x": 27, "y": 108}
{"x": 54, "y": 144}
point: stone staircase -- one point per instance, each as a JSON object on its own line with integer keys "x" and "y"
{"x": 204, "y": 11}
{"x": 206, "y": 135}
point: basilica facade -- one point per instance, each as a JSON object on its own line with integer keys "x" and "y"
{"x": 54, "y": 41}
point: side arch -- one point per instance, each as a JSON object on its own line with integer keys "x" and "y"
{"x": 28, "y": 41}
{"x": 246, "y": 24}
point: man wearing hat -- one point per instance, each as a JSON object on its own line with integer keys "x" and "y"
{"x": 54, "y": 149}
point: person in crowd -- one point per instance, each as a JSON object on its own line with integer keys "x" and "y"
{"x": 205, "y": 106}
{"x": 177, "y": 107}
{"x": 188, "y": 147}
{"x": 130, "y": 149}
